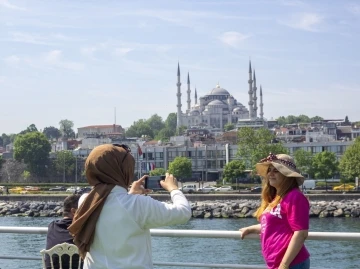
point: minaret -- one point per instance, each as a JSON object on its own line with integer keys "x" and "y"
{"x": 195, "y": 96}
{"x": 255, "y": 97}
{"x": 178, "y": 84}
{"x": 251, "y": 102}
{"x": 261, "y": 104}
{"x": 188, "y": 93}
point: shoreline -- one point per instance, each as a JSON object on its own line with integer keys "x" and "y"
{"x": 202, "y": 206}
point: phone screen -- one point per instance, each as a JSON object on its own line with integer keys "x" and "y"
{"x": 153, "y": 182}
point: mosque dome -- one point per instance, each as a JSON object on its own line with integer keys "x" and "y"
{"x": 216, "y": 103}
{"x": 195, "y": 112}
{"x": 219, "y": 91}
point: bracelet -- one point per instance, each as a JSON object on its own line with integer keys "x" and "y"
{"x": 173, "y": 190}
{"x": 283, "y": 266}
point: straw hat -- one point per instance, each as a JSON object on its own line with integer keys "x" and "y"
{"x": 283, "y": 163}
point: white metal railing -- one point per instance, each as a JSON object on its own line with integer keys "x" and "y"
{"x": 333, "y": 236}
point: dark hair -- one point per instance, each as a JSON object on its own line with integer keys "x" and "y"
{"x": 70, "y": 202}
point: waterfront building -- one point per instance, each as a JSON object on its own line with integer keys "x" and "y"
{"x": 96, "y": 131}
{"x": 218, "y": 108}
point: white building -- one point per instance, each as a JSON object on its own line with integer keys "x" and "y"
{"x": 219, "y": 107}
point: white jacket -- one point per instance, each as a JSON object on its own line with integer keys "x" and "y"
{"x": 122, "y": 236}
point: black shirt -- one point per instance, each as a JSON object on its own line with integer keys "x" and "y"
{"x": 58, "y": 234}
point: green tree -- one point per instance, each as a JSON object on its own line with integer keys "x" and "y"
{"x": 29, "y": 129}
{"x": 180, "y": 167}
{"x": 5, "y": 139}
{"x": 350, "y": 162}
{"x": 157, "y": 172}
{"x": 140, "y": 128}
{"x": 1, "y": 161}
{"x": 33, "y": 149}
{"x": 281, "y": 120}
{"x": 156, "y": 124}
{"x": 64, "y": 163}
{"x": 229, "y": 126}
{"x": 316, "y": 118}
{"x": 233, "y": 169}
{"x": 291, "y": 119}
{"x": 347, "y": 122}
{"x": 52, "y": 133}
{"x": 66, "y": 128}
{"x": 254, "y": 145}
{"x": 171, "y": 122}
{"x": 324, "y": 165}
{"x": 303, "y": 160}
{"x": 26, "y": 175}
{"x": 165, "y": 134}
{"x": 181, "y": 130}
{"x": 303, "y": 119}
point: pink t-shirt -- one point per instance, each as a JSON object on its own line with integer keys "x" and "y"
{"x": 278, "y": 226}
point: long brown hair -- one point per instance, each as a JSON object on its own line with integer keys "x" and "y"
{"x": 269, "y": 196}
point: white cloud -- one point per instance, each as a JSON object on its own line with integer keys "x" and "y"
{"x": 30, "y": 38}
{"x": 12, "y": 60}
{"x": 122, "y": 51}
{"x": 304, "y": 21}
{"x": 7, "y": 4}
{"x": 55, "y": 58}
{"x": 233, "y": 39}
{"x": 51, "y": 59}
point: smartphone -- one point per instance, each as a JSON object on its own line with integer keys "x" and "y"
{"x": 153, "y": 182}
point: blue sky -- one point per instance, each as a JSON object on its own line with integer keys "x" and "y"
{"x": 79, "y": 59}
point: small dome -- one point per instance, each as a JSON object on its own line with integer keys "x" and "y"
{"x": 219, "y": 91}
{"x": 216, "y": 103}
{"x": 236, "y": 109}
{"x": 194, "y": 113}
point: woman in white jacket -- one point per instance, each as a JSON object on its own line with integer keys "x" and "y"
{"x": 111, "y": 227}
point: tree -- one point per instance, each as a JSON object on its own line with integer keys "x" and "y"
{"x": 254, "y": 145}
{"x": 233, "y": 169}
{"x": 324, "y": 165}
{"x": 171, "y": 122}
{"x": 5, "y": 139}
{"x": 180, "y": 167}
{"x": 33, "y": 149}
{"x": 281, "y": 120}
{"x": 66, "y": 128}
{"x": 303, "y": 160}
{"x": 316, "y": 118}
{"x": 347, "y": 122}
{"x": 229, "y": 126}
{"x": 303, "y": 119}
{"x": 29, "y": 129}
{"x": 350, "y": 162}
{"x": 12, "y": 171}
{"x": 64, "y": 163}
{"x": 156, "y": 123}
{"x": 52, "y": 132}
{"x": 157, "y": 172}
{"x": 140, "y": 128}
{"x": 165, "y": 134}
{"x": 181, "y": 130}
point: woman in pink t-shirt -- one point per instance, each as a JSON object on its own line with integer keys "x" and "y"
{"x": 283, "y": 214}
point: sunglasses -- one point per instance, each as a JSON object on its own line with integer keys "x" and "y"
{"x": 125, "y": 147}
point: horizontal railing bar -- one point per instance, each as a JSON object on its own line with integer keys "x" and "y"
{"x": 20, "y": 258}
{"x": 209, "y": 265}
{"x": 332, "y": 236}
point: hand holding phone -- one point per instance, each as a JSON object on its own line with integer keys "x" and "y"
{"x": 170, "y": 183}
{"x": 153, "y": 182}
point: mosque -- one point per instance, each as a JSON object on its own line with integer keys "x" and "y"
{"x": 219, "y": 107}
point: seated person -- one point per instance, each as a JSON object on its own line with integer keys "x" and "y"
{"x": 58, "y": 233}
